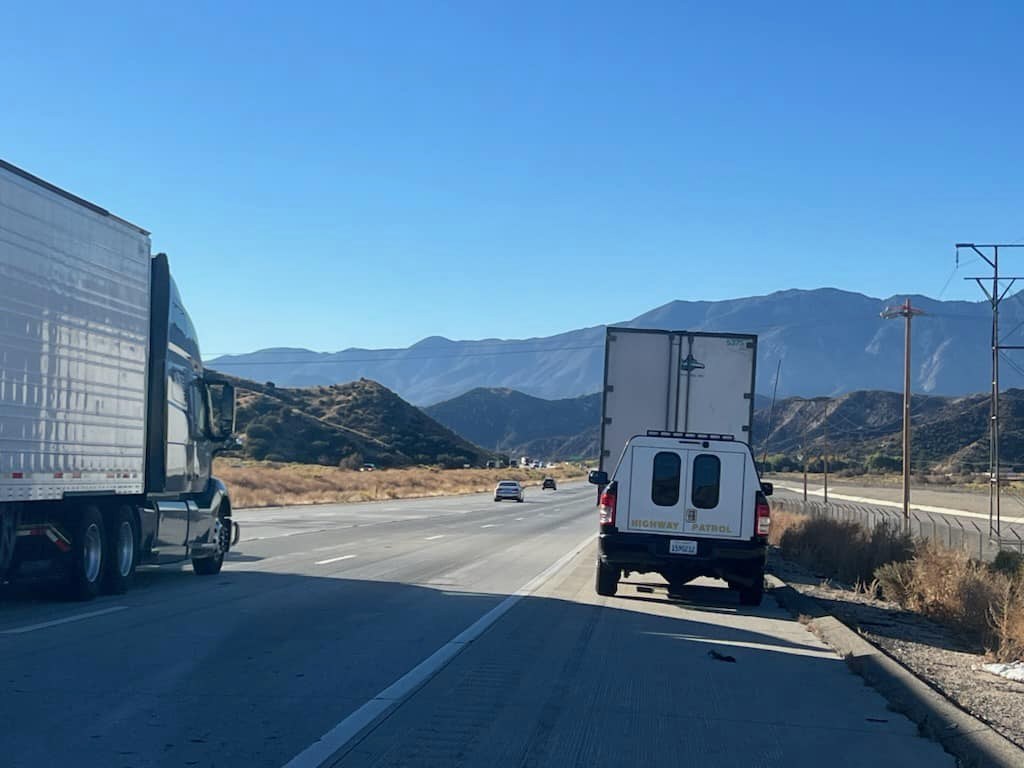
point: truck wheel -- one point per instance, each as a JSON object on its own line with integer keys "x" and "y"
{"x": 607, "y": 579}
{"x": 753, "y": 595}
{"x": 88, "y": 545}
{"x": 122, "y": 550}
{"x": 208, "y": 566}
{"x": 8, "y": 536}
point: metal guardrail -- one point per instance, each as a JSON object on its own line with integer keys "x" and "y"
{"x": 947, "y": 530}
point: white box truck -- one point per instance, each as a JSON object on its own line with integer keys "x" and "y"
{"x": 108, "y": 421}
{"x": 680, "y": 494}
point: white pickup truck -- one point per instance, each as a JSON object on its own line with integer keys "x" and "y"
{"x": 684, "y": 505}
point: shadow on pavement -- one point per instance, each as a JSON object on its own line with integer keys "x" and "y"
{"x": 248, "y": 668}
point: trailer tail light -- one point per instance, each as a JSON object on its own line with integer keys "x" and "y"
{"x": 763, "y": 515}
{"x": 606, "y": 507}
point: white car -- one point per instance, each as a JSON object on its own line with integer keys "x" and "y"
{"x": 508, "y": 489}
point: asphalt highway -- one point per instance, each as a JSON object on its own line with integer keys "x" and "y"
{"x": 446, "y": 631}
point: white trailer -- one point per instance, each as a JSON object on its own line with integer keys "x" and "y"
{"x": 680, "y": 381}
{"x": 108, "y": 420}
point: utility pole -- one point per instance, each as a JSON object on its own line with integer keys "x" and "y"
{"x": 995, "y": 297}
{"x": 824, "y": 423}
{"x": 907, "y": 312}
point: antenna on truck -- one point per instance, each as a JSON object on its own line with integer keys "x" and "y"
{"x": 771, "y": 414}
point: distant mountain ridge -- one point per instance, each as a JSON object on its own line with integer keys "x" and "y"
{"x": 829, "y": 341}
{"x": 859, "y": 430}
{"x": 521, "y": 425}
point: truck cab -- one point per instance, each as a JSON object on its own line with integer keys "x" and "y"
{"x": 684, "y": 504}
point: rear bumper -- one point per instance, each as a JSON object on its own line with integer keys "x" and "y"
{"x": 650, "y": 552}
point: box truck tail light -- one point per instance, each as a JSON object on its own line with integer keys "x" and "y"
{"x": 763, "y": 513}
{"x": 606, "y": 507}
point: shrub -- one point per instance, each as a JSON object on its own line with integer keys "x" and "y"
{"x": 1009, "y": 563}
{"x": 896, "y": 580}
{"x": 844, "y": 550}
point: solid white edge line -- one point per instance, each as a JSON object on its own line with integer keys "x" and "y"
{"x": 65, "y": 620}
{"x": 435, "y": 537}
{"x": 327, "y": 747}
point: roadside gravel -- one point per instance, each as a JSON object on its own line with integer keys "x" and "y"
{"x": 931, "y": 651}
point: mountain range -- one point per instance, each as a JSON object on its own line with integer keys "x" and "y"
{"x": 829, "y": 342}
{"x": 860, "y": 430}
{"x": 518, "y": 424}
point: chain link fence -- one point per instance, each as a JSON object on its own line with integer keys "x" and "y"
{"x": 948, "y": 530}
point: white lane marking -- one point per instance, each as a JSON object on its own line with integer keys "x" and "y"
{"x": 899, "y": 504}
{"x": 491, "y": 525}
{"x": 65, "y": 620}
{"x": 327, "y": 747}
{"x": 432, "y": 538}
{"x": 330, "y": 560}
{"x": 519, "y": 518}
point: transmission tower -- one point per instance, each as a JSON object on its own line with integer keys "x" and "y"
{"x": 995, "y": 295}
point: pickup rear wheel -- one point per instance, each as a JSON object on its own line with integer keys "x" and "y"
{"x": 88, "y": 551}
{"x": 754, "y": 594}
{"x": 607, "y": 579}
{"x": 122, "y": 550}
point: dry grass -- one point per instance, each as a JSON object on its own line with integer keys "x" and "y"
{"x": 843, "y": 550}
{"x": 983, "y": 602}
{"x": 781, "y": 522}
{"x": 270, "y": 484}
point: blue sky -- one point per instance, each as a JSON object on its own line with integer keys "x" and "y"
{"x": 338, "y": 174}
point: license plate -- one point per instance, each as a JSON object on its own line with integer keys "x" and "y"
{"x": 680, "y": 547}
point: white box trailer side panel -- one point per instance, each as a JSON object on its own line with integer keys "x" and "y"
{"x": 74, "y": 327}
{"x": 675, "y": 380}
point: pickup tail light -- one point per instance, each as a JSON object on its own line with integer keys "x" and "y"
{"x": 763, "y": 514}
{"x": 606, "y": 507}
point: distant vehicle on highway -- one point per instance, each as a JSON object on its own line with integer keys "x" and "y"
{"x": 368, "y": 467}
{"x": 549, "y": 484}
{"x": 508, "y": 489}
{"x": 684, "y": 505}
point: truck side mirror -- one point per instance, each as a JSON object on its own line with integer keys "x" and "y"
{"x": 222, "y": 409}
{"x": 598, "y": 477}
{"x": 767, "y": 488}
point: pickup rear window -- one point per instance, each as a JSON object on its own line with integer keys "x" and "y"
{"x": 707, "y": 475}
{"x": 665, "y": 479}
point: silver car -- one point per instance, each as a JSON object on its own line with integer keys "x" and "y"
{"x": 508, "y": 489}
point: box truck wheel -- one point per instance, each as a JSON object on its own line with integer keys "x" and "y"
{"x": 122, "y": 549}
{"x": 208, "y": 566}
{"x": 88, "y": 551}
{"x": 607, "y": 579}
{"x": 8, "y": 536}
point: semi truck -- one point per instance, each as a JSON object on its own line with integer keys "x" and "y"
{"x": 108, "y": 420}
{"x": 679, "y": 490}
